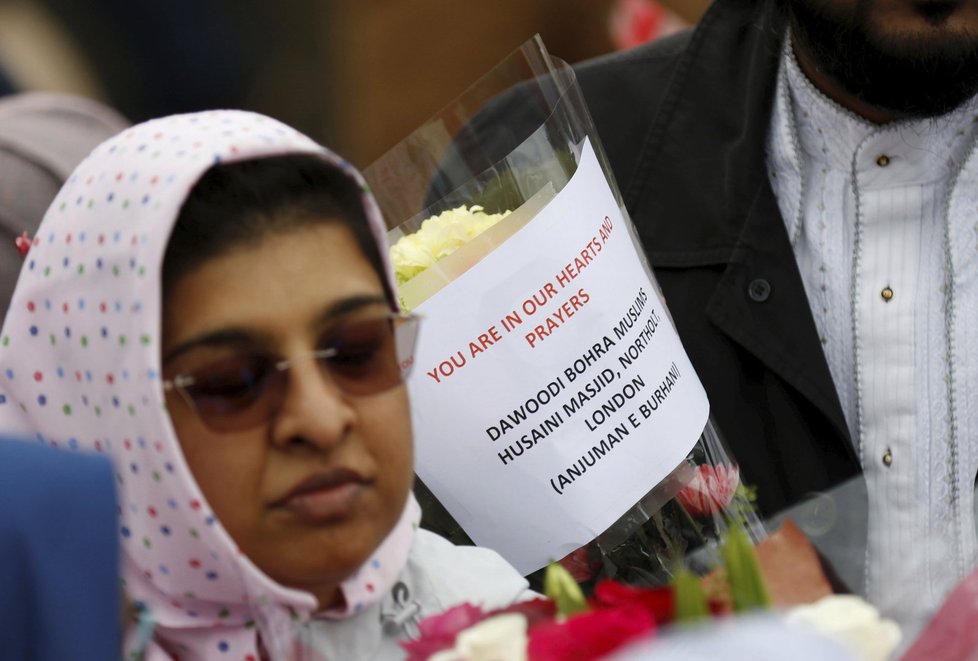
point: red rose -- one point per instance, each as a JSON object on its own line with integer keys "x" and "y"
{"x": 658, "y": 602}
{"x": 536, "y": 611}
{"x": 591, "y": 635}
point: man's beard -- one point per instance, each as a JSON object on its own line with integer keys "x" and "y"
{"x": 909, "y": 75}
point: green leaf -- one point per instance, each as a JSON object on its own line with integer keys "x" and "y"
{"x": 560, "y": 586}
{"x": 690, "y": 597}
{"x": 747, "y": 587}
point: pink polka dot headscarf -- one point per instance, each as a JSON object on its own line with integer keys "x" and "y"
{"x": 80, "y": 369}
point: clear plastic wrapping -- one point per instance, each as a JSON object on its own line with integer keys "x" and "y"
{"x": 483, "y": 196}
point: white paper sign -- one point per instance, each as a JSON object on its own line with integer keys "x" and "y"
{"x": 550, "y": 391}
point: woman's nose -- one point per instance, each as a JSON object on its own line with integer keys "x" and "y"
{"x": 313, "y": 409}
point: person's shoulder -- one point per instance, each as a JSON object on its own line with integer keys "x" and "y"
{"x": 469, "y": 564}
{"x": 32, "y": 467}
{"x": 16, "y": 453}
{"x": 58, "y": 541}
{"x": 631, "y": 78}
{"x": 659, "y": 53}
{"x": 55, "y": 489}
{"x": 624, "y": 92}
{"x": 467, "y": 573}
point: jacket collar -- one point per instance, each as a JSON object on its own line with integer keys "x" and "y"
{"x": 721, "y": 207}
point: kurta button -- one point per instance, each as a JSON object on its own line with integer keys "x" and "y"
{"x": 759, "y": 290}
{"x": 882, "y": 160}
{"x": 887, "y": 294}
{"x": 887, "y": 458}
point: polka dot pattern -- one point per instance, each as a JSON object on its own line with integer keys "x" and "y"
{"x": 79, "y": 368}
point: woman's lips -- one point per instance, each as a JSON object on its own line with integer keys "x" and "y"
{"x": 324, "y": 497}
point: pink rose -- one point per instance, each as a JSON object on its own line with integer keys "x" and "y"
{"x": 710, "y": 490}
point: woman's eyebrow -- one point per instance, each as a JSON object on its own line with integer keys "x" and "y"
{"x": 219, "y": 338}
{"x": 347, "y": 305}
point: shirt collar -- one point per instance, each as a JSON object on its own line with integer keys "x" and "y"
{"x": 918, "y": 150}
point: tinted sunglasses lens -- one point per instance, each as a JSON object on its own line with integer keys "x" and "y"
{"x": 236, "y": 393}
{"x": 364, "y": 357}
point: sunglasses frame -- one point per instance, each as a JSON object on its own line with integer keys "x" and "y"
{"x": 405, "y": 336}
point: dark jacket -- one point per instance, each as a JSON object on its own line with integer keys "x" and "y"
{"x": 684, "y": 124}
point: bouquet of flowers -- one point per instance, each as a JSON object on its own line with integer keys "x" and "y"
{"x": 566, "y": 625}
{"x": 556, "y": 412}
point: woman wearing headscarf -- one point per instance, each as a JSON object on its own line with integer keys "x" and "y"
{"x": 208, "y": 301}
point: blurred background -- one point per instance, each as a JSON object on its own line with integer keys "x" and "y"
{"x": 358, "y": 76}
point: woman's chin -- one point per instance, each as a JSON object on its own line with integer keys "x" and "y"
{"x": 319, "y": 558}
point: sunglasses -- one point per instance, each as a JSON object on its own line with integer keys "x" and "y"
{"x": 362, "y": 357}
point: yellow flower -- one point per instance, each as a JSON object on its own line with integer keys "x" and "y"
{"x": 438, "y": 237}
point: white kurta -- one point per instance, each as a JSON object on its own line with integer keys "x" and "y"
{"x": 438, "y": 575}
{"x": 883, "y": 224}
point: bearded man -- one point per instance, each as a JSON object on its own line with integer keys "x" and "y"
{"x": 803, "y": 176}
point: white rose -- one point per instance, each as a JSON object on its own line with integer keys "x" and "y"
{"x": 851, "y": 621}
{"x": 499, "y": 638}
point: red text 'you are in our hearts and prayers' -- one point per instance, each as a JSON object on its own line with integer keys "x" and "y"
{"x": 539, "y": 315}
